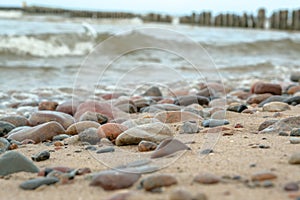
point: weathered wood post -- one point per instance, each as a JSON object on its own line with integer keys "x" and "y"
{"x": 244, "y": 21}
{"x": 261, "y": 18}
{"x": 296, "y": 20}
{"x": 224, "y": 20}
{"x": 283, "y": 16}
{"x": 207, "y": 20}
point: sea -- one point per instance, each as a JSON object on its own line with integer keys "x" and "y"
{"x": 47, "y": 53}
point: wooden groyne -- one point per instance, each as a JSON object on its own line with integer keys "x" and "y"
{"x": 281, "y": 20}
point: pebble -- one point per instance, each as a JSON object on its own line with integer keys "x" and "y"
{"x": 191, "y": 99}
{"x": 295, "y": 159}
{"x": 293, "y": 100}
{"x": 143, "y": 102}
{"x": 282, "y": 133}
{"x": 37, "y": 182}
{"x": 5, "y": 128}
{"x": 295, "y": 77}
{"x": 124, "y": 195}
{"x": 258, "y": 98}
{"x": 58, "y": 144}
{"x": 176, "y": 116}
{"x": 47, "y": 170}
{"x": 266, "y": 124}
{"x": 48, "y": 105}
{"x": 206, "y": 151}
{"x": 286, "y": 124}
{"x": 16, "y": 120}
{"x": 207, "y": 178}
{"x": 267, "y": 184}
{"x": 39, "y": 133}
{"x": 78, "y": 127}
{"x": 111, "y": 130}
{"x": 160, "y": 107}
{"x": 110, "y": 96}
{"x": 214, "y": 122}
{"x": 153, "y": 91}
{"x": 41, "y": 156}
{"x": 261, "y": 88}
{"x": 4, "y": 145}
{"x": 83, "y": 171}
{"x": 145, "y": 146}
{"x": 262, "y": 176}
{"x": 68, "y": 107}
{"x": 157, "y": 181}
{"x": 12, "y": 162}
{"x": 276, "y": 107}
{"x": 295, "y": 140}
{"x": 168, "y": 147}
{"x": 114, "y": 180}
{"x": 154, "y": 132}
{"x": 42, "y": 117}
{"x": 94, "y": 117}
{"x": 106, "y": 150}
{"x": 189, "y": 127}
{"x": 274, "y": 98}
{"x": 91, "y": 148}
{"x": 140, "y": 121}
{"x": 237, "y": 108}
{"x": 295, "y": 132}
{"x": 89, "y": 135}
{"x": 180, "y": 194}
{"x": 293, "y": 89}
{"x": 60, "y": 137}
{"x": 128, "y": 108}
{"x": 292, "y": 186}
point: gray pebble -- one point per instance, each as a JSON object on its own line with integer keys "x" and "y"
{"x": 37, "y": 182}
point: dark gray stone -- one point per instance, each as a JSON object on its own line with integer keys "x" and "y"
{"x": 295, "y": 132}
{"x": 106, "y": 150}
{"x": 37, "y": 182}
{"x": 60, "y": 137}
{"x": 266, "y": 124}
{"x": 5, "y": 128}
{"x": 272, "y": 99}
{"x": 153, "y": 91}
{"x": 89, "y": 135}
{"x": 214, "y": 122}
{"x": 191, "y": 99}
{"x": 292, "y": 100}
{"x": 4, "y": 145}
{"x": 41, "y": 156}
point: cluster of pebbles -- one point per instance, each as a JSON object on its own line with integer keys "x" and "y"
{"x": 150, "y": 123}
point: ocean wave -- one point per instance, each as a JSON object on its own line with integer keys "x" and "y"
{"x": 11, "y": 14}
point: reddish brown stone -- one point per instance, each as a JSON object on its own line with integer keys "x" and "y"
{"x": 68, "y": 107}
{"x": 167, "y": 100}
{"x": 146, "y": 146}
{"x": 206, "y": 178}
{"x": 111, "y": 130}
{"x": 157, "y": 181}
{"x": 293, "y": 89}
{"x": 258, "y": 98}
{"x": 48, "y": 105}
{"x": 262, "y": 176}
{"x": 261, "y": 88}
{"x": 41, "y": 117}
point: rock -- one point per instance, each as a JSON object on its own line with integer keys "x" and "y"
{"x": 261, "y": 88}
{"x": 94, "y": 117}
{"x": 267, "y": 184}
{"x": 105, "y": 142}
{"x": 189, "y": 127}
{"x": 61, "y": 169}
{"x": 153, "y": 91}
{"x": 72, "y": 140}
{"x": 37, "y": 182}
{"x": 48, "y": 105}
{"x": 262, "y": 176}
{"x": 68, "y": 107}
{"x": 295, "y": 77}
{"x": 78, "y": 127}
{"x": 41, "y": 156}
{"x": 293, "y": 100}
{"x": 128, "y": 108}
{"x": 258, "y": 98}
{"x": 295, "y": 132}
{"x": 191, "y": 99}
{"x": 295, "y": 140}
{"x": 143, "y": 102}
{"x": 42, "y": 117}
{"x": 16, "y": 120}
{"x": 114, "y": 180}
{"x": 111, "y": 130}
{"x": 276, "y": 107}
{"x": 206, "y": 178}
{"x": 214, "y": 122}
{"x": 146, "y": 146}
{"x": 4, "y": 145}
{"x": 237, "y": 108}
{"x": 140, "y": 121}
{"x": 275, "y": 98}
{"x": 293, "y": 89}
{"x": 180, "y": 194}
{"x": 155, "y": 132}
{"x": 110, "y": 96}
{"x": 38, "y": 133}
{"x": 106, "y": 150}
{"x": 83, "y": 171}
{"x": 12, "y": 162}
{"x": 157, "y": 181}
{"x": 160, "y": 107}
{"x": 5, "y": 128}
{"x": 89, "y": 135}
{"x": 292, "y": 186}
{"x": 295, "y": 158}
{"x": 168, "y": 147}
{"x": 283, "y": 125}
{"x": 60, "y": 137}
{"x": 176, "y": 116}
{"x": 266, "y": 124}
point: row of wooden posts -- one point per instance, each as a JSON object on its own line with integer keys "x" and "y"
{"x": 283, "y": 20}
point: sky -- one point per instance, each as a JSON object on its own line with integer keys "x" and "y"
{"x": 165, "y": 6}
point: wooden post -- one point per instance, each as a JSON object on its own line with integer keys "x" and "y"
{"x": 218, "y": 20}
{"x": 229, "y": 19}
{"x": 296, "y": 20}
{"x": 283, "y": 19}
{"x": 244, "y": 21}
{"x": 207, "y": 20}
{"x": 236, "y": 20}
{"x": 261, "y": 18}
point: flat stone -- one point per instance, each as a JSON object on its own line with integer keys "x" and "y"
{"x": 261, "y": 88}
{"x": 5, "y": 128}
{"x": 155, "y": 132}
{"x": 114, "y": 180}
{"x": 266, "y": 124}
{"x": 4, "y": 145}
{"x": 263, "y": 176}
{"x": 275, "y": 98}
{"x": 78, "y": 127}
{"x": 214, "y": 122}
{"x": 237, "y": 108}
{"x": 48, "y": 105}
{"x": 177, "y": 116}
{"x": 39, "y": 133}
{"x": 191, "y": 99}
{"x": 37, "y": 182}
{"x": 60, "y": 137}
{"x": 189, "y": 127}
{"x": 157, "y": 181}
{"x": 12, "y": 162}
{"x": 106, "y": 150}
{"x": 283, "y": 125}
{"x": 295, "y": 159}
{"x": 293, "y": 100}
{"x": 206, "y": 178}
{"x": 295, "y": 140}
{"x": 16, "y": 120}
{"x": 140, "y": 121}
{"x": 168, "y": 147}
{"x": 146, "y": 146}
{"x": 258, "y": 98}
{"x": 295, "y": 132}
{"x": 153, "y": 91}
{"x": 292, "y": 186}
{"x": 89, "y": 135}
{"x": 111, "y": 130}
{"x": 276, "y": 107}
{"x": 42, "y": 117}
{"x": 94, "y": 117}
{"x": 160, "y": 107}
{"x": 41, "y": 156}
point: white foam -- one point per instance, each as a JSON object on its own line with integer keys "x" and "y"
{"x": 12, "y": 14}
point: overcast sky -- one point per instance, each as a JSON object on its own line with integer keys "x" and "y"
{"x": 165, "y": 6}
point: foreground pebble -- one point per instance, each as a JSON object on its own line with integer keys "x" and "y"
{"x": 41, "y": 156}
{"x": 41, "y": 117}
{"x": 144, "y": 146}
{"x": 37, "y": 182}
{"x": 276, "y": 107}
{"x": 295, "y": 159}
{"x": 207, "y": 178}
{"x": 16, "y": 120}
{"x": 168, "y": 147}
{"x": 263, "y": 176}
{"x": 5, "y": 128}
{"x": 158, "y": 181}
